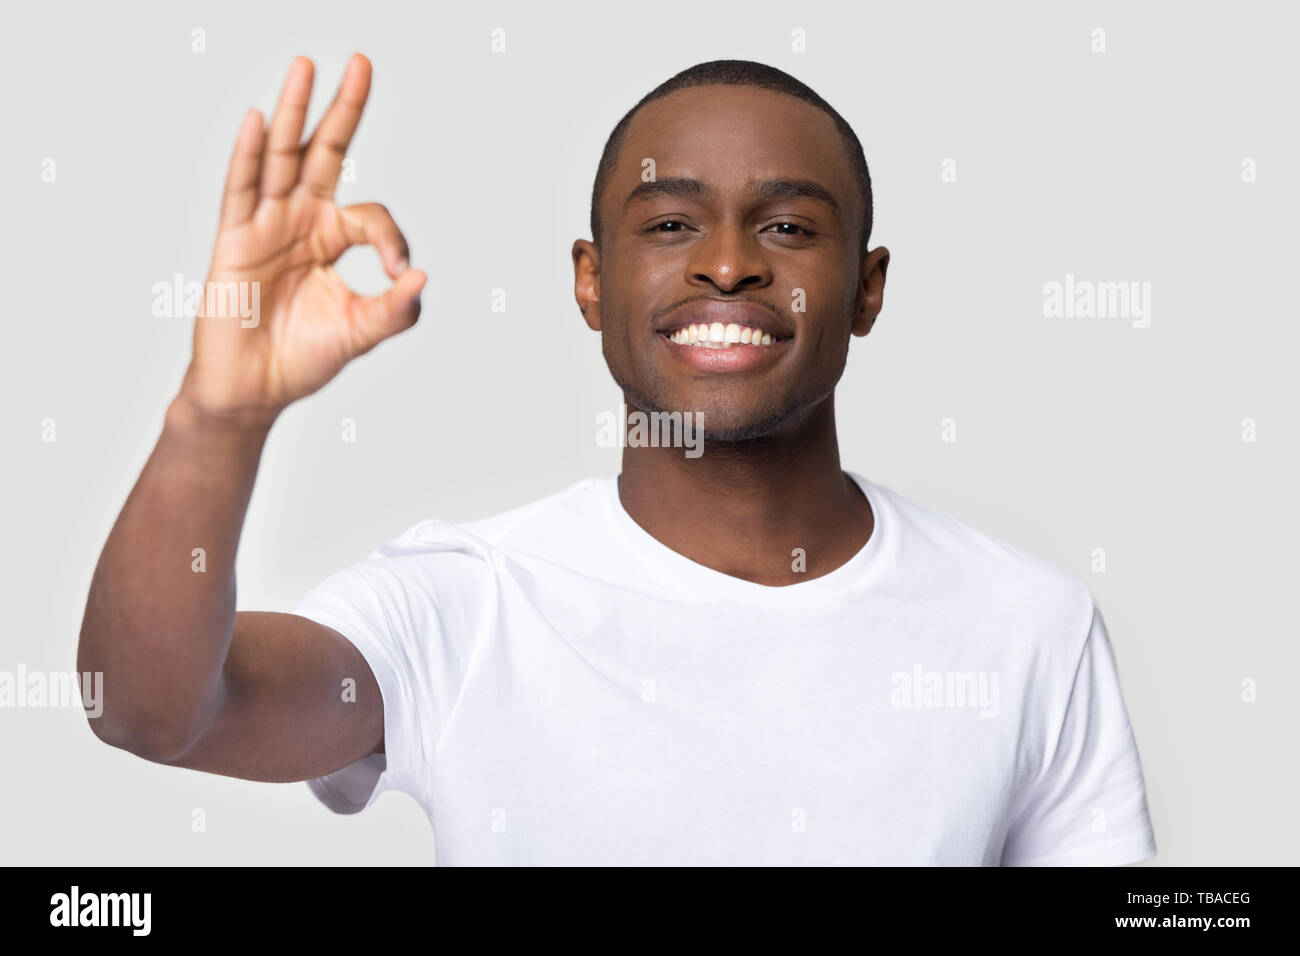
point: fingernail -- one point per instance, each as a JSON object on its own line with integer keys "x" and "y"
{"x": 402, "y": 266}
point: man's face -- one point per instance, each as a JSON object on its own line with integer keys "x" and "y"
{"x": 752, "y": 221}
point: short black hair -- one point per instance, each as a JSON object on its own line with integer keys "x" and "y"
{"x": 736, "y": 73}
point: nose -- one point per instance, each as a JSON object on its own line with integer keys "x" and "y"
{"x": 728, "y": 260}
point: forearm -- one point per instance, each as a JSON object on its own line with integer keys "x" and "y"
{"x": 184, "y": 675}
{"x": 160, "y": 613}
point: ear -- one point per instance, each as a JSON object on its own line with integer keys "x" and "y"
{"x": 586, "y": 281}
{"x": 871, "y": 290}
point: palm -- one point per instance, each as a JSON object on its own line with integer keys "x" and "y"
{"x": 280, "y": 234}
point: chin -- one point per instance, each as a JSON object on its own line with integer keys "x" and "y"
{"x": 729, "y": 424}
{"x": 723, "y": 421}
{"x": 735, "y": 432}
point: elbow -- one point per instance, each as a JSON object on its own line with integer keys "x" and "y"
{"x": 144, "y": 720}
{"x": 147, "y": 736}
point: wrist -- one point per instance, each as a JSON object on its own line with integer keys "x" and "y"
{"x": 187, "y": 414}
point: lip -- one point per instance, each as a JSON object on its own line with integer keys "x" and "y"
{"x": 734, "y": 358}
{"x": 709, "y": 311}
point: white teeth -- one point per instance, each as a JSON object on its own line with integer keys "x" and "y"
{"x": 719, "y": 336}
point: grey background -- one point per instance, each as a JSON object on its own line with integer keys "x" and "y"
{"x": 1073, "y": 434}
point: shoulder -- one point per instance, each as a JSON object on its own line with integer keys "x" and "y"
{"x": 938, "y": 550}
{"x": 536, "y": 526}
{"x": 572, "y": 508}
{"x": 437, "y": 568}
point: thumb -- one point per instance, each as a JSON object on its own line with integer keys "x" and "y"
{"x": 393, "y": 311}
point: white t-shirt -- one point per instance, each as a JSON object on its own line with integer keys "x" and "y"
{"x": 561, "y": 688}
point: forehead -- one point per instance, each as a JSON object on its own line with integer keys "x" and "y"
{"x": 729, "y": 135}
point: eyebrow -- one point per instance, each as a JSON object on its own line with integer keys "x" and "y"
{"x": 767, "y": 189}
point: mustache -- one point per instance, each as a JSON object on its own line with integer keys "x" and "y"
{"x": 725, "y": 300}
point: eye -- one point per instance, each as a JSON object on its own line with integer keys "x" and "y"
{"x": 658, "y": 227}
{"x": 791, "y": 225}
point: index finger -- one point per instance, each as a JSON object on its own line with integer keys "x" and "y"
{"x": 323, "y": 159}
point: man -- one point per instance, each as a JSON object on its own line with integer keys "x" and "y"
{"x": 732, "y": 653}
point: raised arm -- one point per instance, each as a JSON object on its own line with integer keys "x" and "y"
{"x": 188, "y": 680}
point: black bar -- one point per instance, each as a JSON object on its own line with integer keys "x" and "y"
{"x": 235, "y": 904}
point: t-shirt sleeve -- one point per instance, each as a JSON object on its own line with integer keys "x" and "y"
{"x": 412, "y": 610}
{"x": 1087, "y": 805}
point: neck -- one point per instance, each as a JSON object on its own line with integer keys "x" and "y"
{"x": 742, "y": 508}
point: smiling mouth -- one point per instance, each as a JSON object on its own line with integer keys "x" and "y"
{"x": 719, "y": 336}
